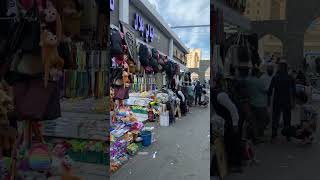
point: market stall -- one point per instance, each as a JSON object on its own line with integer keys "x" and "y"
{"x": 49, "y": 70}
{"x": 140, "y": 100}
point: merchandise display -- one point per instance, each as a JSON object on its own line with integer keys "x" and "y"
{"x": 57, "y": 74}
{"x": 139, "y": 100}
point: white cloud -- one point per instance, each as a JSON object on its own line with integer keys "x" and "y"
{"x": 191, "y": 12}
{"x": 155, "y": 4}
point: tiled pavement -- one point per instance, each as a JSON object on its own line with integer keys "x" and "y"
{"x": 284, "y": 161}
{"x": 181, "y": 152}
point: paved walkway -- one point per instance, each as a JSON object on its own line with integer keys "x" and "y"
{"x": 181, "y": 152}
{"x": 284, "y": 161}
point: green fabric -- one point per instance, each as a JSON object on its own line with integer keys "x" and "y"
{"x": 257, "y": 91}
{"x": 190, "y": 91}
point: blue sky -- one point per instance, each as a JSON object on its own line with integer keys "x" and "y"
{"x": 188, "y": 12}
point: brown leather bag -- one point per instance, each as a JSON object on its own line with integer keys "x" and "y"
{"x": 35, "y": 102}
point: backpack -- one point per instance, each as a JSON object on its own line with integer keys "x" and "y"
{"x": 170, "y": 68}
{"x": 155, "y": 53}
{"x": 161, "y": 60}
{"x": 116, "y": 43}
{"x": 154, "y": 60}
{"x": 144, "y": 55}
{"x": 154, "y": 64}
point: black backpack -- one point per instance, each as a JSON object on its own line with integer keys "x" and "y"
{"x": 155, "y": 53}
{"x": 116, "y": 43}
{"x": 144, "y": 55}
{"x": 170, "y": 68}
{"x": 154, "y": 60}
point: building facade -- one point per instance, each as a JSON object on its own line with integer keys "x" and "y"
{"x": 150, "y": 28}
{"x": 259, "y": 10}
{"x": 193, "y": 58}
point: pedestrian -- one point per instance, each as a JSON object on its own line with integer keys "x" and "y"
{"x": 266, "y": 78}
{"x": 258, "y": 100}
{"x": 225, "y": 108}
{"x": 198, "y": 92}
{"x": 283, "y": 87}
{"x": 241, "y": 96}
{"x": 301, "y": 78}
{"x": 191, "y": 94}
{"x": 183, "y": 105}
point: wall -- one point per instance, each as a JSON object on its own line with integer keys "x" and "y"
{"x": 160, "y": 41}
{"x": 114, "y": 15}
{"x": 179, "y": 55}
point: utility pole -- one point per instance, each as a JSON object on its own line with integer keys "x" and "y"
{"x": 189, "y": 26}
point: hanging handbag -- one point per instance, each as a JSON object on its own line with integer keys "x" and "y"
{"x": 130, "y": 41}
{"x": 25, "y": 34}
{"x": 35, "y": 102}
{"x": 121, "y": 93}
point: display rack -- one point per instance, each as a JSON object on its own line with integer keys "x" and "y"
{"x": 80, "y": 126}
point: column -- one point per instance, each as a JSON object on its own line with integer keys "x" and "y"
{"x": 294, "y": 48}
{"x": 124, "y": 11}
{"x": 171, "y": 48}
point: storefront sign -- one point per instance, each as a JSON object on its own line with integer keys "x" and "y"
{"x": 146, "y": 30}
{"x": 111, "y": 5}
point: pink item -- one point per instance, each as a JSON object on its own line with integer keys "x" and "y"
{"x": 26, "y": 4}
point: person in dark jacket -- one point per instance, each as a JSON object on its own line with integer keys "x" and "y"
{"x": 283, "y": 87}
{"x": 198, "y": 92}
{"x": 226, "y": 109}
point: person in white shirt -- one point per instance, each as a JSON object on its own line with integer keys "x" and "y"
{"x": 183, "y": 105}
{"x": 266, "y": 79}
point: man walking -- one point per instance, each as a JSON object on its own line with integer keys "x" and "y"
{"x": 283, "y": 88}
{"x": 198, "y": 92}
{"x": 258, "y": 101}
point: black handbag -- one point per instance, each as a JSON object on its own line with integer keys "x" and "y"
{"x": 26, "y": 34}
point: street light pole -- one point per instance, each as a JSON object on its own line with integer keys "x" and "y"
{"x": 189, "y": 26}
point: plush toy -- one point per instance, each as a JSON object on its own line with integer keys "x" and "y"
{"x": 51, "y": 35}
{"x": 50, "y": 56}
{"x": 125, "y": 78}
{"x": 58, "y": 153}
{"x": 12, "y": 8}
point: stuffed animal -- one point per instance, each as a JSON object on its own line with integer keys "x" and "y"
{"x": 12, "y": 8}
{"x": 125, "y": 78}
{"x": 50, "y": 38}
{"x": 50, "y": 56}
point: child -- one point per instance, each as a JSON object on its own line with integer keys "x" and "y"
{"x": 303, "y": 131}
{"x": 205, "y": 100}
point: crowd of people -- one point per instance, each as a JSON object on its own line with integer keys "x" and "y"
{"x": 253, "y": 101}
